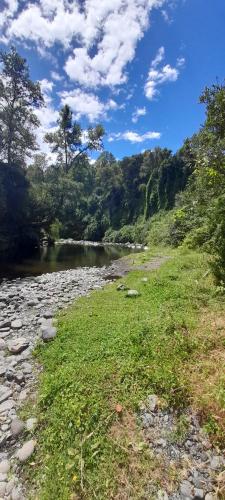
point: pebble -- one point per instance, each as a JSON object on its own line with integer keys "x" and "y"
{"x": 17, "y": 323}
{"x": 31, "y": 424}
{"x": 48, "y": 333}
{"x": 132, "y": 293}
{"x": 17, "y": 426}
{"x": 18, "y": 345}
{"x": 4, "y": 466}
{"x": 26, "y": 451}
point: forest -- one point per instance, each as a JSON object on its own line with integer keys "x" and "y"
{"x": 154, "y": 197}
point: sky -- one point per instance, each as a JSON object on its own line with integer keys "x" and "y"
{"x": 136, "y": 66}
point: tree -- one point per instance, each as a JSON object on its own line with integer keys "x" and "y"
{"x": 19, "y": 96}
{"x": 70, "y": 141}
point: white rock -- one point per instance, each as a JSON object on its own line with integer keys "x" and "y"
{"x": 132, "y": 293}
{"x": 31, "y": 424}
{"x": 16, "y": 323}
{"x": 4, "y": 466}
{"x": 26, "y": 451}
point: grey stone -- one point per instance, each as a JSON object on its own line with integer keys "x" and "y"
{"x": 48, "y": 333}
{"x": 5, "y": 393}
{"x": 4, "y": 466}
{"x": 121, "y": 286}
{"x": 2, "y": 344}
{"x": 18, "y": 345}
{"x": 16, "y": 324}
{"x": 132, "y": 293}
{"x": 26, "y": 451}
{"x": 5, "y": 323}
{"x": 17, "y": 494}
{"x": 31, "y": 424}
{"x": 186, "y": 489}
{"x": 199, "y": 493}
{"x": 3, "y": 476}
{"x": 216, "y": 463}
{"x": 2, "y": 489}
{"x": 7, "y": 405}
{"x": 17, "y": 426}
{"x": 210, "y": 496}
{"x": 2, "y": 370}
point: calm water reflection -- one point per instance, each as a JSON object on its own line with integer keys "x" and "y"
{"x": 62, "y": 257}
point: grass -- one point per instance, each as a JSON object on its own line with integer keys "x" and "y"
{"x": 110, "y": 353}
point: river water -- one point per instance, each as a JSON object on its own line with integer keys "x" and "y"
{"x": 60, "y": 258}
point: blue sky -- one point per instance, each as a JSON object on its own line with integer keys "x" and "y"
{"x": 136, "y": 66}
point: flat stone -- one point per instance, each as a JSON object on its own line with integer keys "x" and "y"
{"x": 2, "y": 489}
{"x": 2, "y": 344}
{"x": 31, "y": 424}
{"x": 16, "y": 324}
{"x": 186, "y": 489}
{"x": 17, "y": 426}
{"x": 18, "y": 345}
{"x": 2, "y": 370}
{"x": 216, "y": 463}
{"x": 4, "y": 466}
{"x": 144, "y": 280}
{"x": 5, "y": 323}
{"x": 199, "y": 493}
{"x": 7, "y": 406}
{"x": 5, "y": 393}
{"x": 132, "y": 293}
{"x": 26, "y": 451}
{"x": 48, "y": 333}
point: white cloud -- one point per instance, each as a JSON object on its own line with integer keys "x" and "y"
{"x": 158, "y": 58}
{"x": 106, "y": 31}
{"x": 137, "y": 113}
{"x": 133, "y": 136}
{"x": 55, "y": 76}
{"x": 160, "y": 75}
{"x": 180, "y": 62}
{"x": 87, "y": 104}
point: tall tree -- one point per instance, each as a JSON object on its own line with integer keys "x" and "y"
{"x": 70, "y": 141}
{"x": 19, "y": 96}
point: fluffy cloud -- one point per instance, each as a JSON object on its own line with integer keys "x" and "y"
{"x": 106, "y": 34}
{"x": 137, "y": 113}
{"x": 87, "y": 104}
{"x": 133, "y": 136}
{"x": 55, "y": 76}
{"x": 160, "y": 75}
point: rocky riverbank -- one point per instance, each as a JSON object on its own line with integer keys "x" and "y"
{"x": 27, "y": 307}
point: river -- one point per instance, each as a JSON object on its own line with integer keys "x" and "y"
{"x": 60, "y": 258}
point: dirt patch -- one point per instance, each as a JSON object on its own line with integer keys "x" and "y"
{"x": 122, "y": 266}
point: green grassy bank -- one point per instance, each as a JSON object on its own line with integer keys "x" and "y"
{"x": 113, "y": 350}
